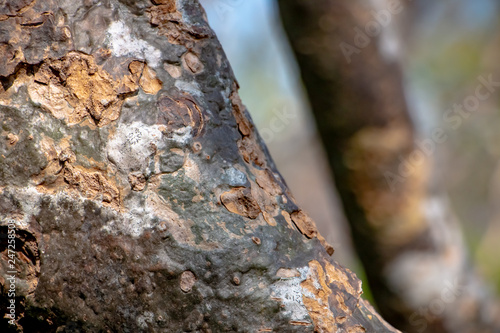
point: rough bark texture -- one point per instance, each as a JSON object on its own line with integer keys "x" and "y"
{"x": 142, "y": 196}
{"x": 406, "y": 236}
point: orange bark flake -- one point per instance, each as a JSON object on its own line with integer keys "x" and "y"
{"x": 240, "y": 201}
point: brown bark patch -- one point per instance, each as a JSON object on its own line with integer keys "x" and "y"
{"x": 25, "y": 260}
{"x": 137, "y": 181}
{"x": 288, "y": 219}
{"x": 187, "y": 281}
{"x": 299, "y": 323}
{"x": 240, "y": 201}
{"x": 343, "y": 280}
{"x": 328, "y": 287}
{"x": 287, "y": 273}
{"x": 92, "y": 184}
{"x": 192, "y": 63}
{"x": 244, "y": 125}
{"x": 251, "y": 151}
{"x": 49, "y": 178}
{"x": 61, "y": 175}
{"x": 74, "y": 88}
{"x": 170, "y": 5}
{"x": 12, "y": 139}
{"x": 266, "y": 180}
{"x": 149, "y": 82}
{"x": 171, "y": 24}
{"x": 248, "y": 146}
{"x": 305, "y": 224}
{"x": 173, "y": 70}
{"x": 316, "y": 300}
{"x": 181, "y": 112}
{"x": 329, "y": 249}
{"x": 308, "y": 228}
{"x": 269, "y": 219}
{"x": 237, "y": 279}
{"x": 145, "y": 77}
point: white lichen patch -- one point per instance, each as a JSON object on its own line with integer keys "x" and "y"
{"x": 133, "y": 221}
{"x": 289, "y": 292}
{"x": 234, "y": 177}
{"x": 183, "y": 135}
{"x": 132, "y": 146}
{"x": 123, "y": 43}
{"x": 137, "y": 220}
{"x": 29, "y": 199}
{"x": 192, "y": 88}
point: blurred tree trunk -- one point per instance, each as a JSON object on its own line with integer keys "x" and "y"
{"x": 135, "y": 193}
{"x": 406, "y": 236}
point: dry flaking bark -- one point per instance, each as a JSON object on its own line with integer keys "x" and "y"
{"x": 406, "y": 236}
{"x": 143, "y": 198}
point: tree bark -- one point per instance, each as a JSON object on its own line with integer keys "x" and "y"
{"x": 407, "y": 237}
{"x": 135, "y": 192}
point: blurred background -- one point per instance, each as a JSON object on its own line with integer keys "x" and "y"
{"x": 453, "y": 42}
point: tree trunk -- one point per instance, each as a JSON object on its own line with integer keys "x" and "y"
{"x": 135, "y": 193}
{"x": 406, "y": 236}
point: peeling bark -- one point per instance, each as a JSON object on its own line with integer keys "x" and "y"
{"x": 142, "y": 196}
